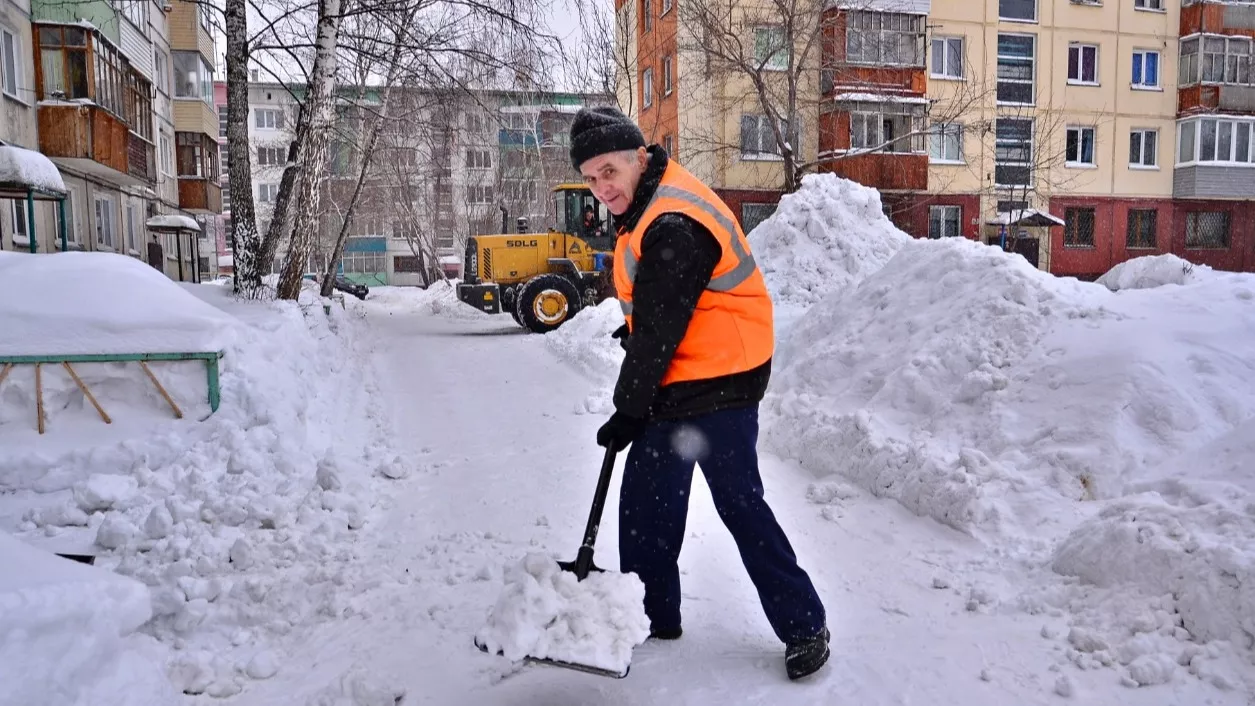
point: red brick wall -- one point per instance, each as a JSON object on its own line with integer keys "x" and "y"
{"x": 735, "y": 197}
{"x": 1111, "y": 235}
{"x": 910, "y": 212}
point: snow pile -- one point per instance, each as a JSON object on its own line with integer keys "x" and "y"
{"x": 25, "y": 167}
{"x": 439, "y": 299}
{"x": 584, "y": 343}
{"x": 173, "y": 221}
{"x": 243, "y": 525}
{"x": 1151, "y": 271}
{"x": 545, "y": 613}
{"x": 69, "y": 633}
{"x": 101, "y": 303}
{"x": 825, "y": 237}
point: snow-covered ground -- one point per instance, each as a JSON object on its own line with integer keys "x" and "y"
{"x": 1008, "y": 488}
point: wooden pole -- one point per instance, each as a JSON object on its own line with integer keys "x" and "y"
{"x": 39, "y": 395}
{"x": 87, "y": 392}
{"x": 178, "y": 413}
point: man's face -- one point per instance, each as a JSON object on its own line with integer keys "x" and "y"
{"x": 613, "y": 178}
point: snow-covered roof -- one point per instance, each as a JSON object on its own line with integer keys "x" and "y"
{"x": 548, "y": 108}
{"x": 20, "y": 167}
{"x": 1028, "y": 217}
{"x": 173, "y": 221}
{"x": 450, "y": 260}
{"x": 879, "y": 98}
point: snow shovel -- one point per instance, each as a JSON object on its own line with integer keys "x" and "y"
{"x": 583, "y": 565}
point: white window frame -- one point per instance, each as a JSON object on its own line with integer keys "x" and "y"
{"x": 667, "y": 83}
{"x": 267, "y": 192}
{"x": 132, "y": 243}
{"x": 1081, "y": 49}
{"x": 647, "y": 88}
{"x": 946, "y": 210}
{"x": 779, "y": 60}
{"x": 1081, "y": 132}
{"x": 478, "y": 160}
{"x": 21, "y": 231}
{"x": 1236, "y": 129}
{"x": 886, "y": 33}
{"x": 862, "y": 113}
{"x": 1031, "y": 82}
{"x": 161, "y": 71}
{"x": 11, "y": 61}
{"x": 666, "y": 7}
{"x": 71, "y": 235}
{"x": 1032, "y": 152}
{"x": 104, "y": 222}
{"x": 946, "y": 72}
{"x": 772, "y": 153}
{"x": 940, "y": 137}
{"x": 1032, "y": 20}
{"x": 268, "y": 118}
{"x": 1158, "y": 84}
{"x": 1138, "y": 136}
{"x": 1149, "y": 5}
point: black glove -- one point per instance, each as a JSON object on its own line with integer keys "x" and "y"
{"x": 620, "y": 431}
{"x": 622, "y": 334}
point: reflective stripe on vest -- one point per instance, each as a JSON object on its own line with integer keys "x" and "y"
{"x": 723, "y": 283}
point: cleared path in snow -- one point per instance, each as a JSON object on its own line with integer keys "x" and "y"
{"x": 506, "y": 467}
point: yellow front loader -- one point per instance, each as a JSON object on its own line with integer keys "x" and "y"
{"x": 543, "y": 279}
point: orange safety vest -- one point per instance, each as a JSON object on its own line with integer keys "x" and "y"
{"x": 731, "y": 330}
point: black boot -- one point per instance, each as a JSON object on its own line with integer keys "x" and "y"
{"x": 806, "y": 657}
{"x": 666, "y": 633}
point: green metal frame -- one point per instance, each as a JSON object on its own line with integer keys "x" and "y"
{"x": 211, "y": 364}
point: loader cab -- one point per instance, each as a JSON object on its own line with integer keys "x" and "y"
{"x": 572, "y": 202}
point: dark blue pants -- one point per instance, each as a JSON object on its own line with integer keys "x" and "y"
{"x": 653, "y": 507}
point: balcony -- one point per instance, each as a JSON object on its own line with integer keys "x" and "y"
{"x": 882, "y": 170}
{"x": 1218, "y": 17}
{"x": 191, "y": 28}
{"x": 200, "y": 195}
{"x": 199, "y": 191}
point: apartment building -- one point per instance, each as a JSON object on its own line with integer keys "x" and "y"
{"x": 94, "y": 80}
{"x": 1079, "y": 133}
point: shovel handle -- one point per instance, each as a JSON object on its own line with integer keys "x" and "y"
{"x": 584, "y": 560}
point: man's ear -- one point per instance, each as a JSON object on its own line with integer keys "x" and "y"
{"x": 642, "y": 154}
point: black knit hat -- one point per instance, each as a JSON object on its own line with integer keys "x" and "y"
{"x": 598, "y": 131}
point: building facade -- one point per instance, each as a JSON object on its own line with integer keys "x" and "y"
{"x": 1079, "y": 133}
{"x": 98, "y": 93}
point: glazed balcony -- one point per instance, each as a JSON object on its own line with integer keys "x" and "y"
{"x": 198, "y": 167}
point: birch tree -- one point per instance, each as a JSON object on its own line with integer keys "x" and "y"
{"x": 245, "y": 241}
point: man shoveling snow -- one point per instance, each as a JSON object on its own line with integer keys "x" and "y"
{"x": 699, "y": 340}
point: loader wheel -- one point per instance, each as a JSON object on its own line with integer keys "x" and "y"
{"x": 546, "y": 301}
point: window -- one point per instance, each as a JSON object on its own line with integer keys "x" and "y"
{"x": 268, "y": 118}
{"x": 1215, "y": 59}
{"x": 104, "y": 222}
{"x": 477, "y": 194}
{"x": 222, "y": 122}
{"x": 267, "y": 193}
{"x": 1079, "y": 146}
{"x": 771, "y": 49}
{"x": 945, "y": 143}
{"x": 1143, "y": 148}
{"x": 753, "y": 214}
{"x": 1216, "y": 140}
{"x": 666, "y": 75}
{"x": 71, "y": 236}
{"x": 1078, "y": 228}
{"x": 1207, "y": 229}
{"x": 758, "y": 140}
{"x": 666, "y": 6}
{"x": 945, "y": 221}
{"x": 17, "y": 210}
{"x": 478, "y": 159}
{"x": 271, "y": 156}
{"x": 161, "y": 72}
{"x": 668, "y": 146}
{"x": 1145, "y": 69}
{"x": 647, "y": 88}
{"x": 197, "y": 155}
{"x": 136, "y": 11}
{"x": 193, "y": 79}
{"x": 1016, "y": 68}
{"x": 130, "y": 228}
{"x": 1024, "y": 10}
{"x": 10, "y": 70}
{"x": 1142, "y": 227}
{"x": 894, "y": 128}
{"x": 1148, "y": 4}
{"x": 363, "y": 263}
{"x": 947, "y": 57}
{"x": 402, "y": 264}
{"x": 1013, "y": 152}
{"x": 1082, "y": 63}
{"x": 884, "y": 38}
{"x": 63, "y": 60}
{"x": 647, "y": 14}
{"x": 139, "y": 105}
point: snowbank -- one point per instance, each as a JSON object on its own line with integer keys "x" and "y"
{"x": 173, "y": 221}
{"x": 438, "y": 299}
{"x": 544, "y": 612}
{"x": 584, "y": 344}
{"x": 244, "y": 523}
{"x": 69, "y": 633}
{"x": 825, "y": 237}
{"x": 90, "y": 302}
{"x": 1151, "y": 271}
{"x": 29, "y": 168}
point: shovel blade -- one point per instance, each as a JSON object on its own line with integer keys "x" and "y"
{"x": 576, "y": 666}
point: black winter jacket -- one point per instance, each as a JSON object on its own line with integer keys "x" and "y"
{"x": 678, "y": 258}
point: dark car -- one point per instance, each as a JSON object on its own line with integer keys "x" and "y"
{"x": 358, "y": 290}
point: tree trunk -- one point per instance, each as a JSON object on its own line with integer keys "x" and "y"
{"x": 245, "y": 243}
{"x": 287, "y": 187}
{"x": 313, "y": 154}
{"x": 368, "y": 151}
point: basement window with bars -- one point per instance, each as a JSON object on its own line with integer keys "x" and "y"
{"x": 1141, "y": 228}
{"x": 1207, "y": 230}
{"x": 884, "y": 38}
{"x": 1078, "y": 228}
